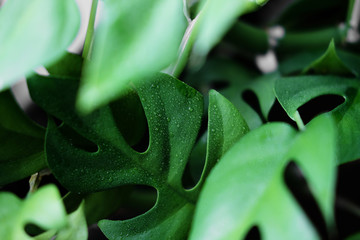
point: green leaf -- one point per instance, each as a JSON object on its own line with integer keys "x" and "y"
{"x": 254, "y": 166}
{"x": 238, "y": 79}
{"x": 22, "y": 148}
{"x": 70, "y": 65}
{"x": 77, "y": 227}
{"x": 329, "y": 63}
{"x": 34, "y": 33}
{"x": 216, "y": 17}
{"x": 135, "y": 39}
{"x": 173, "y": 111}
{"x": 293, "y": 92}
{"x": 43, "y": 208}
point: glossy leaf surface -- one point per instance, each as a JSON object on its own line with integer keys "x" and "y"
{"x": 173, "y": 111}
{"x": 135, "y": 39}
{"x": 34, "y": 33}
{"x": 254, "y": 166}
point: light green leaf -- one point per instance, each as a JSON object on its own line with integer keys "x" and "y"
{"x": 77, "y": 227}
{"x": 34, "y": 33}
{"x": 247, "y": 188}
{"x": 293, "y": 92}
{"x": 173, "y": 111}
{"x": 43, "y": 208}
{"x": 216, "y": 17}
{"x": 22, "y": 142}
{"x": 135, "y": 39}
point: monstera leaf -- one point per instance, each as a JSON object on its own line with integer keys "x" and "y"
{"x": 128, "y": 30}
{"x": 34, "y": 33}
{"x": 247, "y": 188}
{"x": 236, "y": 80}
{"x": 43, "y": 208}
{"x": 173, "y": 111}
{"x": 22, "y": 142}
{"x": 293, "y": 92}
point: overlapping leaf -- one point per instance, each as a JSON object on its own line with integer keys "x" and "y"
{"x": 173, "y": 111}
{"x": 254, "y": 167}
{"x": 22, "y": 142}
{"x": 43, "y": 208}
{"x": 293, "y": 92}
{"x": 216, "y": 18}
{"x": 237, "y": 79}
{"x": 34, "y": 33}
{"x": 135, "y": 39}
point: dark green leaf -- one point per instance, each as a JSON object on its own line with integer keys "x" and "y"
{"x": 247, "y": 188}
{"x": 135, "y": 39}
{"x": 34, "y": 33}
{"x": 70, "y": 65}
{"x": 293, "y": 92}
{"x": 22, "y": 148}
{"x": 173, "y": 111}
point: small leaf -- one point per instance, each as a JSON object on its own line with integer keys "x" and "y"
{"x": 135, "y": 39}
{"x": 22, "y": 148}
{"x": 34, "y": 33}
{"x": 216, "y": 17}
{"x": 329, "y": 63}
{"x": 254, "y": 166}
{"x": 173, "y": 111}
{"x": 293, "y": 92}
{"x": 43, "y": 208}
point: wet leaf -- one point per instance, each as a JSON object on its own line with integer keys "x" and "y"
{"x": 173, "y": 111}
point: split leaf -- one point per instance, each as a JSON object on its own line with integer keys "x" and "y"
{"x": 236, "y": 80}
{"x": 43, "y": 208}
{"x": 173, "y": 111}
{"x": 254, "y": 166}
{"x": 293, "y": 92}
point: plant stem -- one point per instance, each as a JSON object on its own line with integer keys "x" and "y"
{"x": 299, "y": 121}
{"x": 90, "y": 31}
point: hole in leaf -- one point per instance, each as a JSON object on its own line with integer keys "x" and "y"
{"x": 219, "y": 84}
{"x": 278, "y": 114}
{"x": 253, "y": 234}
{"x": 298, "y": 186}
{"x": 33, "y": 230}
{"x": 128, "y": 112}
{"x": 318, "y": 105}
{"x": 77, "y": 140}
{"x": 250, "y": 98}
{"x": 196, "y": 162}
{"x": 347, "y": 205}
{"x": 140, "y": 201}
